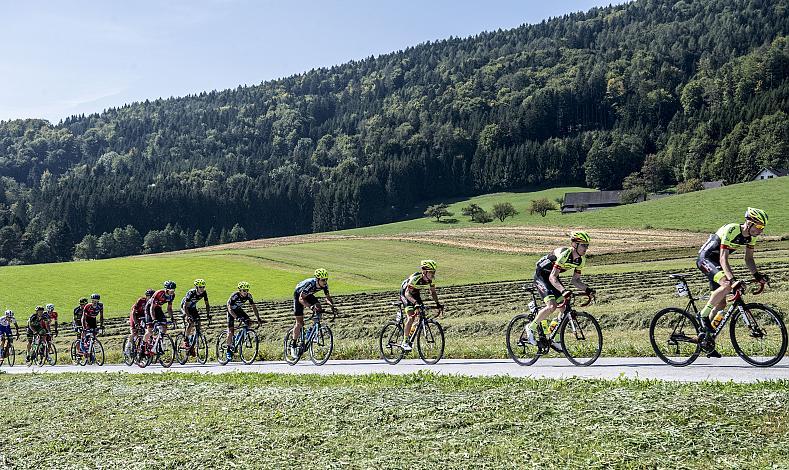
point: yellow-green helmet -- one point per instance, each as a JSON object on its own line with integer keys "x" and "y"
{"x": 243, "y": 285}
{"x": 579, "y": 236}
{"x": 429, "y": 264}
{"x": 199, "y": 282}
{"x": 757, "y": 216}
{"x": 321, "y": 273}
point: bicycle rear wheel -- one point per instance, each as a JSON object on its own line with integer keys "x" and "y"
{"x": 142, "y": 358}
{"x": 166, "y": 353}
{"x": 10, "y": 357}
{"x": 201, "y": 349}
{"x": 51, "y": 353}
{"x": 98, "y": 352}
{"x": 321, "y": 346}
{"x": 518, "y": 347}
{"x": 674, "y": 336}
{"x": 248, "y": 347}
{"x": 286, "y": 352}
{"x": 389, "y": 342}
{"x": 181, "y": 351}
{"x": 581, "y": 338}
{"x": 430, "y": 342}
{"x": 128, "y": 352}
{"x": 75, "y": 352}
{"x": 221, "y": 350}
{"x": 763, "y": 343}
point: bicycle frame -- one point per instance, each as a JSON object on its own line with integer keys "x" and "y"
{"x": 420, "y": 322}
{"x": 735, "y": 304}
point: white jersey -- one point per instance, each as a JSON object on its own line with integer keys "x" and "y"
{"x": 6, "y": 321}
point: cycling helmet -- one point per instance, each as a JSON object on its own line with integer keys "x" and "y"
{"x": 429, "y": 264}
{"x": 45, "y": 315}
{"x": 321, "y": 273}
{"x": 83, "y": 300}
{"x": 50, "y": 307}
{"x": 579, "y": 236}
{"x": 39, "y": 307}
{"x": 95, "y": 297}
{"x": 243, "y": 285}
{"x": 149, "y": 292}
{"x": 9, "y": 313}
{"x": 199, "y": 282}
{"x": 169, "y": 284}
{"x": 756, "y": 216}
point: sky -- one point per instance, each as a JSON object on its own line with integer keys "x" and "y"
{"x": 59, "y": 59}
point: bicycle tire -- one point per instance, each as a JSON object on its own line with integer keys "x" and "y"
{"x": 128, "y": 352}
{"x": 581, "y": 352}
{"x": 249, "y": 343}
{"x": 430, "y": 337}
{"x": 290, "y": 359}
{"x": 777, "y": 331}
{"x": 664, "y": 329}
{"x": 181, "y": 353}
{"x": 518, "y": 347}
{"x": 10, "y": 357}
{"x": 201, "y": 349}
{"x": 166, "y": 354}
{"x": 98, "y": 352}
{"x": 142, "y": 358}
{"x": 323, "y": 336}
{"x": 389, "y": 343}
{"x": 74, "y": 352}
{"x": 221, "y": 350}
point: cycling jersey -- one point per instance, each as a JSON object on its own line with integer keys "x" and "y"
{"x": 310, "y": 286}
{"x": 36, "y": 324}
{"x": 236, "y": 301}
{"x": 7, "y": 321}
{"x": 138, "y": 308}
{"x": 191, "y": 298}
{"x": 415, "y": 282}
{"x": 93, "y": 310}
{"x": 563, "y": 259}
{"x": 159, "y": 298}
{"x": 729, "y": 237}
{"x": 78, "y": 315}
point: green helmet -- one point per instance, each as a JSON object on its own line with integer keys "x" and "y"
{"x": 757, "y": 216}
{"x": 199, "y": 282}
{"x": 579, "y": 236}
{"x": 243, "y": 285}
{"x": 429, "y": 264}
{"x": 321, "y": 273}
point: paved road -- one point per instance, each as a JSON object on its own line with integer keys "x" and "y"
{"x": 724, "y": 369}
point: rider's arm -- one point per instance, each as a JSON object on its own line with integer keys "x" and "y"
{"x": 724, "y": 262}
{"x": 554, "y": 278}
{"x": 435, "y": 297}
{"x": 230, "y": 310}
{"x": 409, "y": 296}
{"x": 578, "y": 283}
{"x": 255, "y": 309}
{"x": 749, "y": 260}
{"x": 101, "y": 319}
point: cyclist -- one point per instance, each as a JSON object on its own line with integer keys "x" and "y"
{"x": 154, "y": 312}
{"x": 76, "y": 322}
{"x": 5, "y": 331}
{"x": 550, "y": 287}
{"x": 137, "y": 317}
{"x": 189, "y": 308}
{"x": 713, "y": 261}
{"x": 411, "y": 298}
{"x": 304, "y": 296}
{"x": 53, "y": 317}
{"x": 235, "y": 311}
{"x": 35, "y": 326}
{"x": 89, "y": 314}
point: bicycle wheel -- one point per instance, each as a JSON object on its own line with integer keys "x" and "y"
{"x": 41, "y": 352}
{"x": 142, "y": 358}
{"x": 51, "y": 354}
{"x": 10, "y": 357}
{"x": 674, "y": 336}
{"x": 763, "y": 343}
{"x": 166, "y": 353}
{"x": 98, "y": 352}
{"x": 248, "y": 347}
{"x": 321, "y": 346}
{"x": 518, "y": 347}
{"x": 581, "y": 338}
{"x": 430, "y": 342}
{"x": 74, "y": 352}
{"x": 221, "y": 350}
{"x": 389, "y": 342}
{"x": 201, "y": 349}
{"x": 181, "y": 352}
{"x": 286, "y": 352}
{"x": 128, "y": 352}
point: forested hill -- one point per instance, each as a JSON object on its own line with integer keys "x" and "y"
{"x": 673, "y": 90}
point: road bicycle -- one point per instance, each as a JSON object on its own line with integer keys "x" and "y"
{"x": 426, "y": 333}
{"x": 87, "y": 351}
{"x": 317, "y": 339}
{"x": 43, "y": 351}
{"x": 579, "y": 336}
{"x": 161, "y": 348}
{"x": 195, "y": 344}
{"x": 245, "y": 343}
{"x": 9, "y": 353}
{"x": 757, "y": 331}
{"x": 130, "y": 349}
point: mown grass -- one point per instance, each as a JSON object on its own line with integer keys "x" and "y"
{"x": 412, "y": 421}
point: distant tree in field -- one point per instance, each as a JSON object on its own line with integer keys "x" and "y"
{"x": 212, "y": 238}
{"x": 470, "y": 210}
{"x": 693, "y": 184}
{"x": 503, "y": 210}
{"x": 438, "y": 211}
{"x": 482, "y": 217}
{"x": 633, "y": 194}
{"x": 223, "y": 236}
{"x": 541, "y": 206}
{"x": 238, "y": 234}
{"x": 198, "y": 240}
{"x": 87, "y": 248}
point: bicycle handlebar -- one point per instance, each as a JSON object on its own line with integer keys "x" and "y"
{"x": 589, "y": 299}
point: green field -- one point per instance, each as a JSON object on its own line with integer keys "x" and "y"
{"x": 413, "y": 421}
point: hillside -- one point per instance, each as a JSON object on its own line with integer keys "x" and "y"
{"x": 670, "y": 90}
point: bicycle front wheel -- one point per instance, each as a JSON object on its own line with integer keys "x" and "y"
{"x": 674, "y": 336}
{"x": 291, "y": 357}
{"x": 142, "y": 358}
{"x": 221, "y": 350}
{"x": 201, "y": 349}
{"x": 181, "y": 351}
{"x": 518, "y": 347}
{"x": 430, "y": 342}
{"x": 581, "y": 338}
{"x": 10, "y": 357}
{"x": 51, "y": 354}
{"x": 98, "y": 352}
{"x": 389, "y": 342}
{"x": 128, "y": 351}
{"x": 321, "y": 346}
{"x": 758, "y": 336}
{"x": 75, "y": 352}
{"x": 248, "y": 347}
{"x": 166, "y": 352}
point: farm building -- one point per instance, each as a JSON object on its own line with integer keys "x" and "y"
{"x": 590, "y": 200}
{"x": 768, "y": 173}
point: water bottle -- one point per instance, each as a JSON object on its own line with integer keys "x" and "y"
{"x": 717, "y": 320}
{"x": 553, "y": 326}
{"x": 413, "y": 329}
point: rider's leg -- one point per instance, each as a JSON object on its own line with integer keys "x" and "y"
{"x": 717, "y": 299}
{"x": 411, "y": 315}
{"x": 297, "y": 327}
